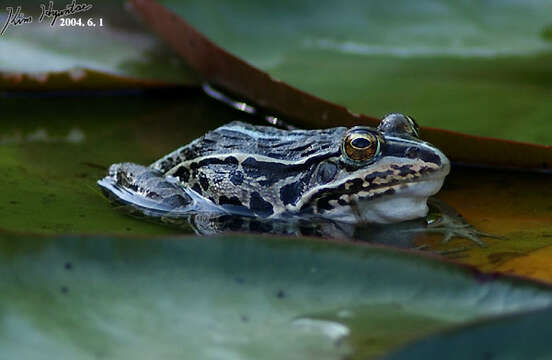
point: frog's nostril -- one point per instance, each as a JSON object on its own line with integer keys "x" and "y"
{"x": 411, "y": 152}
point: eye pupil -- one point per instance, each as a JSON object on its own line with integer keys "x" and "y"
{"x": 360, "y": 143}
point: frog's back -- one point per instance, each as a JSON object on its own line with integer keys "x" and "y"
{"x": 264, "y": 141}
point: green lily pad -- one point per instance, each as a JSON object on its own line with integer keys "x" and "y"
{"x": 236, "y": 297}
{"x": 53, "y": 152}
{"x": 481, "y": 68}
{"x": 119, "y": 54}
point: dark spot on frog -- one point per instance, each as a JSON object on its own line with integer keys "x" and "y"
{"x": 182, "y": 174}
{"x": 378, "y": 174}
{"x": 234, "y": 200}
{"x": 307, "y": 209}
{"x": 197, "y": 189}
{"x": 280, "y": 294}
{"x": 13, "y": 202}
{"x": 240, "y": 280}
{"x": 290, "y": 193}
{"x": 324, "y": 204}
{"x": 425, "y": 169}
{"x": 244, "y": 318}
{"x": 546, "y": 235}
{"x": 64, "y": 289}
{"x": 259, "y": 206}
{"x": 275, "y": 171}
{"x": 204, "y": 181}
{"x": 230, "y": 160}
{"x": 128, "y": 229}
{"x": 68, "y": 266}
{"x": 236, "y": 177}
{"x": 404, "y": 170}
{"x": 165, "y": 165}
{"x": 326, "y": 172}
{"x": 272, "y": 171}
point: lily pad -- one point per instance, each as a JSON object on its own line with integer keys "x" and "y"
{"x": 54, "y": 150}
{"x": 232, "y": 73}
{"x": 118, "y": 54}
{"x": 505, "y": 204}
{"x": 480, "y": 67}
{"x": 236, "y": 297}
{"x": 49, "y": 166}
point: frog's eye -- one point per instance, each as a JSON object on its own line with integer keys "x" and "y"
{"x": 360, "y": 145}
{"x": 399, "y": 125}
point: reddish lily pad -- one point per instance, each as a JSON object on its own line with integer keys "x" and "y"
{"x": 512, "y": 205}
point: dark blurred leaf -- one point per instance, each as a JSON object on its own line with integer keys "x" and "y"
{"x": 523, "y": 336}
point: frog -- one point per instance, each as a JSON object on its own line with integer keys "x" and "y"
{"x": 352, "y": 175}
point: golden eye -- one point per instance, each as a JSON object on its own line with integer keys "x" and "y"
{"x": 360, "y": 145}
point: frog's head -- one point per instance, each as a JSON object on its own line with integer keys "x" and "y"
{"x": 385, "y": 175}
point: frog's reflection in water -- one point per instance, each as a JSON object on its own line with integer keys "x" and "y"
{"x": 441, "y": 219}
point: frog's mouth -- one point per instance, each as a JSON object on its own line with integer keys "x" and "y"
{"x": 405, "y": 201}
{"x": 395, "y": 190}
